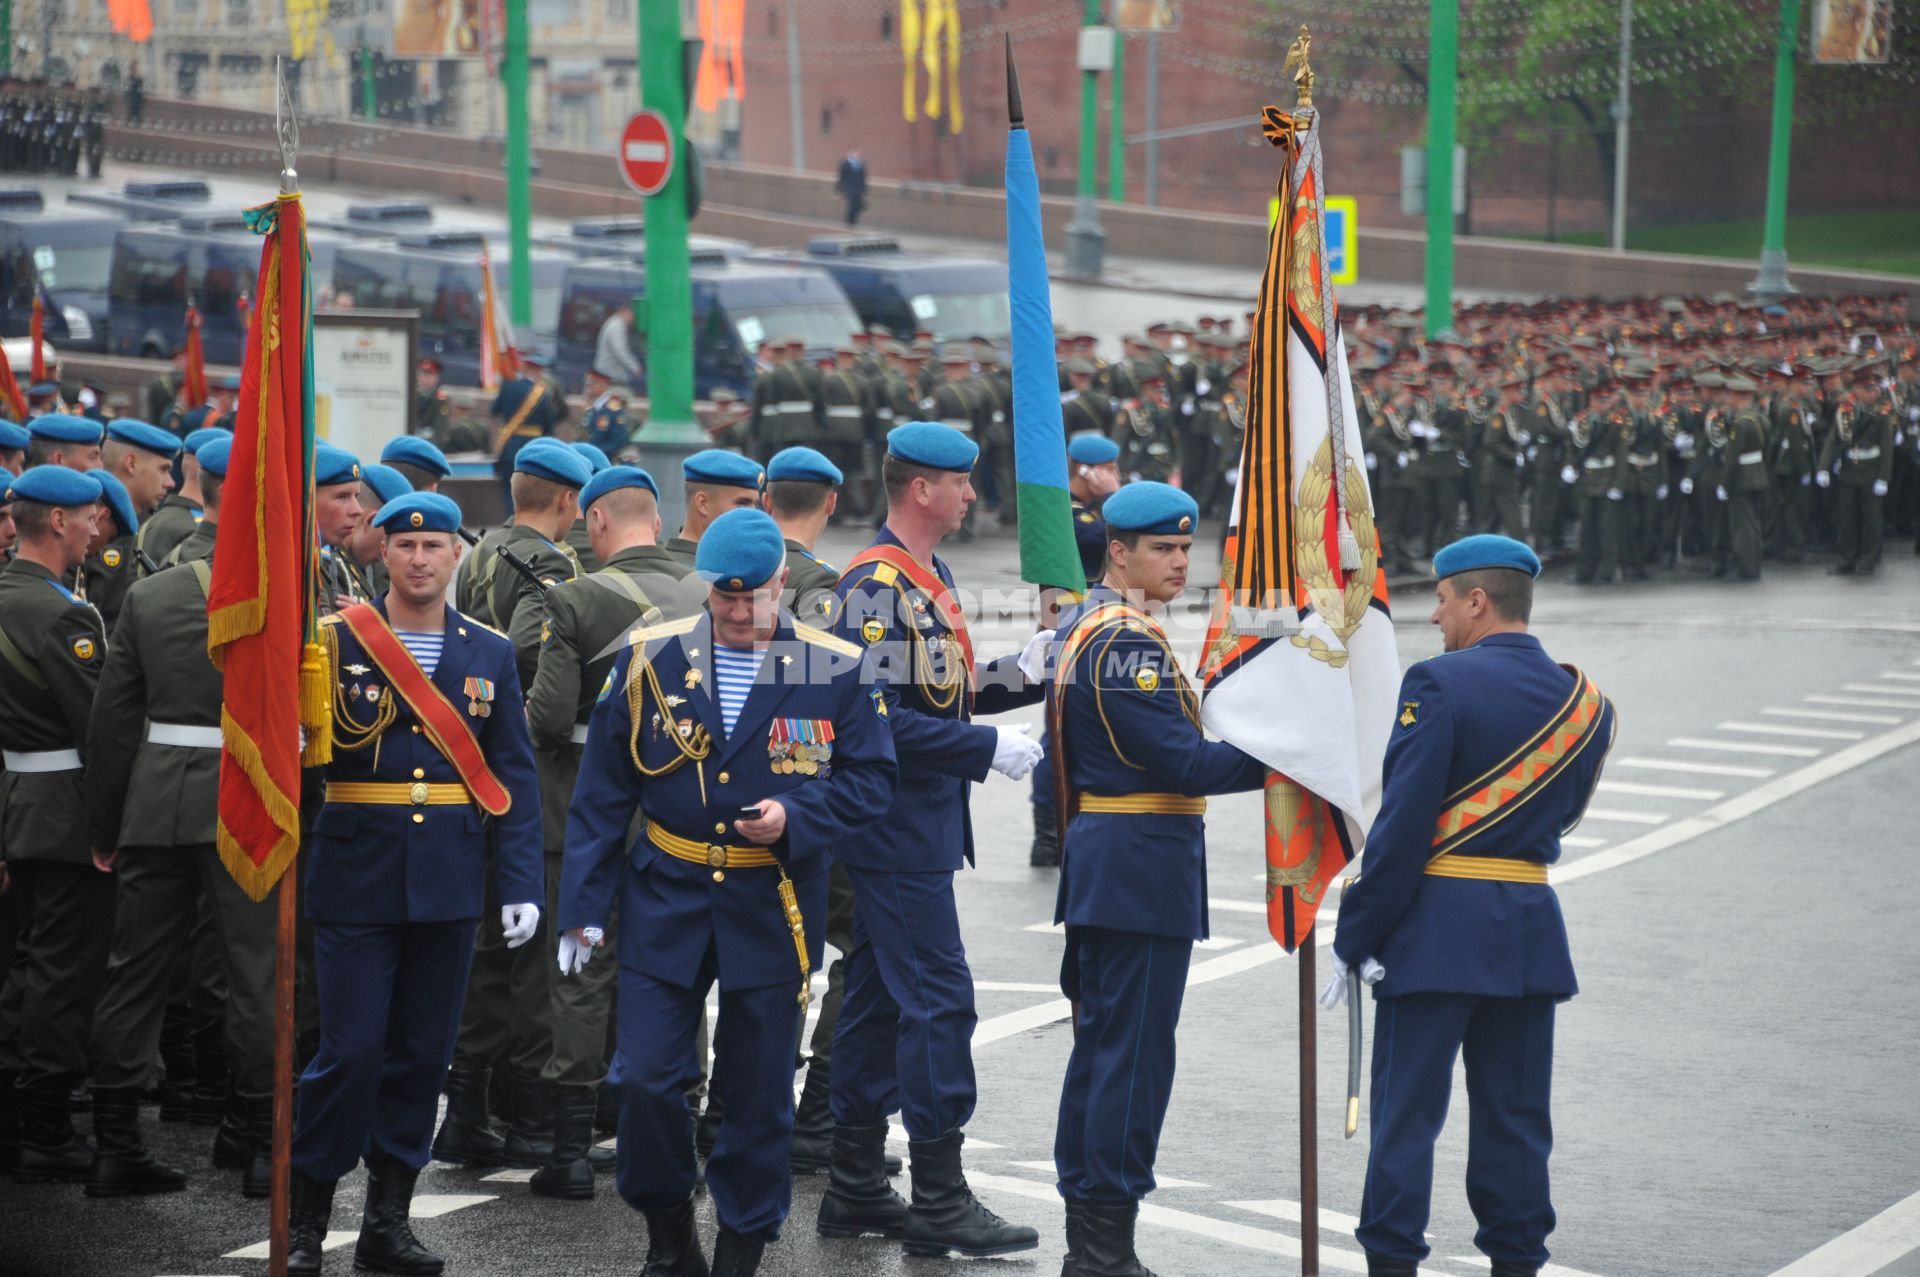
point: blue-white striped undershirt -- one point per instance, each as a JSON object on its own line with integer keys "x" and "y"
{"x": 734, "y": 670}
{"x": 424, "y": 646}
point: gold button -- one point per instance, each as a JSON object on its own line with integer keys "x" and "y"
{"x": 723, "y": 778}
{"x": 718, "y": 876}
{"x": 416, "y": 729}
{"x": 419, "y": 773}
{"x": 719, "y": 826}
{"x": 418, "y": 819}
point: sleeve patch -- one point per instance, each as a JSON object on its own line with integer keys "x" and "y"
{"x": 83, "y": 648}
{"x": 1409, "y": 714}
{"x": 873, "y": 629}
{"x": 1147, "y": 678}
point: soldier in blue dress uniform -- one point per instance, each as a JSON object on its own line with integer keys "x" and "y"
{"x": 605, "y": 424}
{"x": 754, "y": 747}
{"x": 527, "y": 409}
{"x": 1494, "y": 754}
{"x": 430, "y": 764}
{"x": 903, "y": 1041}
{"x": 1133, "y": 879}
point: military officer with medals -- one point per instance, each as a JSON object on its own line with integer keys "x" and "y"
{"x": 52, "y": 646}
{"x": 1135, "y": 769}
{"x": 716, "y": 481}
{"x": 423, "y": 465}
{"x": 1452, "y": 921}
{"x": 903, "y": 1040}
{"x": 754, "y": 746}
{"x": 337, "y": 515}
{"x": 423, "y": 780}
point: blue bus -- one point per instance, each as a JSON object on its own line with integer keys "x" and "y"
{"x": 159, "y": 201}
{"x": 954, "y": 298}
{"x": 736, "y": 306}
{"x": 626, "y": 237}
{"x": 67, "y": 255}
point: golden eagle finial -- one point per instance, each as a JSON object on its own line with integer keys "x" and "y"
{"x": 1297, "y": 55}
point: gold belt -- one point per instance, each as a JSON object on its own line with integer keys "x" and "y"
{"x": 1138, "y": 804}
{"x": 1486, "y": 869}
{"x": 417, "y": 794}
{"x": 706, "y": 853}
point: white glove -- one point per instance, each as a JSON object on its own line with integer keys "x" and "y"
{"x": 1373, "y": 461}
{"x": 1805, "y": 479}
{"x": 1335, "y": 992}
{"x": 1720, "y": 492}
{"x": 573, "y": 954}
{"x": 1614, "y": 494}
{"x": 1879, "y": 487}
{"x": 1683, "y": 442}
{"x": 1822, "y": 478}
{"x": 1519, "y": 462}
{"x": 1686, "y": 487}
{"x": 1016, "y": 753}
{"x": 1033, "y": 657}
{"x": 1568, "y": 474}
{"x": 1400, "y": 460}
{"x": 1660, "y": 493}
{"x": 518, "y": 923}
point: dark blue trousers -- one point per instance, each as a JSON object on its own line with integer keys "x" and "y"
{"x": 754, "y": 1051}
{"x": 389, "y": 1002}
{"x": 1507, "y": 1045}
{"x": 1128, "y": 989}
{"x": 905, "y": 1037}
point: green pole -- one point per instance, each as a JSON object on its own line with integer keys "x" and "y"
{"x": 513, "y": 72}
{"x": 1443, "y": 70}
{"x": 669, "y": 326}
{"x": 1090, "y": 118}
{"x": 6, "y": 37}
{"x": 1116, "y": 124}
{"x": 1772, "y": 280}
{"x": 369, "y": 103}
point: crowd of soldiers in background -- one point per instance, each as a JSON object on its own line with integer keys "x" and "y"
{"x": 51, "y": 128}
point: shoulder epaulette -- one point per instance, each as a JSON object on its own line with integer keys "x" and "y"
{"x": 72, "y": 598}
{"x": 641, "y": 636}
{"x": 820, "y": 638}
{"x": 886, "y": 573}
{"x": 474, "y": 620}
{"x": 331, "y": 618}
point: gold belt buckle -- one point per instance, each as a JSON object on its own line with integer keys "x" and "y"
{"x": 717, "y": 857}
{"x": 417, "y": 792}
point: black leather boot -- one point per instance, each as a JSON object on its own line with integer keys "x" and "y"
{"x": 1076, "y": 1237}
{"x": 466, "y": 1138}
{"x": 258, "y": 1181}
{"x": 529, "y": 1144}
{"x": 1046, "y": 838}
{"x": 50, "y": 1149}
{"x": 209, "y": 1078}
{"x": 673, "y": 1244}
{"x": 121, "y": 1164}
{"x": 1514, "y": 1268}
{"x": 1381, "y": 1266}
{"x": 812, "y": 1150}
{"x": 307, "y": 1218}
{"x": 859, "y": 1202}
{"x": 569, "y": 1175}
{"x": 1106, "y": 1240}
{"x": 945, "y": 1213}
{"x": 232, "y": 1144}
{"x": 387, "y": 1243}
{"x": 736, "y": 1254}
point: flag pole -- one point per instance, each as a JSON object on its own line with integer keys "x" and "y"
{"x": 1309, "y": 1117}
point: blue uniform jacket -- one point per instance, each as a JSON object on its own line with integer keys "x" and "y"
{"x": 386, "y": 864}
{"x": 673, "y": 910}
{"x": 1131, "y": 726}
{"x": 1461, "y": 716}
{"x": 941, "y": 751}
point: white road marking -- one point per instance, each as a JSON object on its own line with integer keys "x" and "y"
{"x": 1624, "y": 817}
{"x": 512, "y": 1175}
{"x": 1888, "y": 1236}
{"x": 1551, "y": 1270}
{"x": 1238, "y": 906}
{"x": 1776, "y": 729}
{"x": 1899, "y": 674}
{"x": 1880, "y": 689}
{"x": 1219, "y": 942}
{"x": 1281, "y": 1208}
{"x": 1833, "y": 716}
{"x": 1163, "y": 1181}
{"x": 336, "y": 1238}
{"x": 1581, "y": 841}
{"x": 1697, "y": 769}
{"x": 1638, "y": 790}
{"x": 1006, "y": 986}
{"x": 897, "y": 1134}
{"x": 1743, "y": 747}
{"x": 1852, "y": 700}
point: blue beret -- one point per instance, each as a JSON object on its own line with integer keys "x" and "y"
{"x": 933, "y": 444}
{"x": 415, "y": 451}
{"x": 596, "y": 459}
{"x": 65, "y": 429}
{"x": 197, "y": 418}
{"x": 41, "y": 389}
{"x": 614, "y": 478}
{"x": 728, "y": 469}
{"x": 212, "y": 455}
{"x": 1157, "y": 509}
{"x": 1091, "y": 448}
{"x": 387, "y": 483}
{"x": 804, "y": 465}
{"x": 198, "y": 439}
{"x": 1470, "y": 554}
{"x": 54, "y": 485}
{"x": 141, "y": 435}
{"x": 551, "y": 459}
{"x": 333, "y": 465}
{"x": 740, "y": 550}
{"x": 13, "y": 436}
{"x": 118, "y": 500}
{"x": 229, "y": 382}
{"x": 418, "y": 512}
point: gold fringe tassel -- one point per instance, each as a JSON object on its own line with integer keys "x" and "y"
{"x": 316, "y": 705}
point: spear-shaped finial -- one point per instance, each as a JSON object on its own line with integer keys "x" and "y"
{"x": 287, "y": 126}
{"x": 1016, "y": 116}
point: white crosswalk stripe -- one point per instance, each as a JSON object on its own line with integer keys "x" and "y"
{"x": 1581, "y": 841}
{"x": 1778, "y": 729}
{"x": 425, "y": 1206}
{"x": 1624, "y": 817}
{"x": 1698, "y": 769}
{"x": 1743, "y": 747}
{"x": 1900, "y": 674}
{"x": 1637, "y": 790}
{"x": 1835, "y": 716}
{"x": 1881, "y": 689}
{"x": 1880, "y": 703}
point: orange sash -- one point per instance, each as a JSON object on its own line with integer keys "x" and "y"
{"x": 1479, "y": 806}
{"x": 941, "y": 599}
{"x": 438, "y": 718}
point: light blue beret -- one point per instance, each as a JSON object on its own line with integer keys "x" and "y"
{"x": 933, "y": 444}
{"x": 333, "y": 465}
{"x": 54, "y": 485}
{"x": 118, "y": 500}
{"x": 805, "y": 465}
{"x": 387, "y": 483}
{"x": 551, "y": 459}
{"x": 198, "y": 439}
{"x": 596, "y": 459}
{"x": 199, "y": 418}
{"x": 1470, "y": 554}
{"x": 740, "y": 550}
{"x": 141, "y": 435}
{"x": 418, "y": 512}
{"x": 12, "y": 436}
{"x": 728, "y": 469}
{"x": 229, "y": 382}
{"x": 415, "y": 451}
{"x": 212, "y": 455}
{"x": 612, "y": 479}
{"x": 1157, "y": 509}
{"x": 65, "y": 429}
{"x": 1091, "y": 448}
